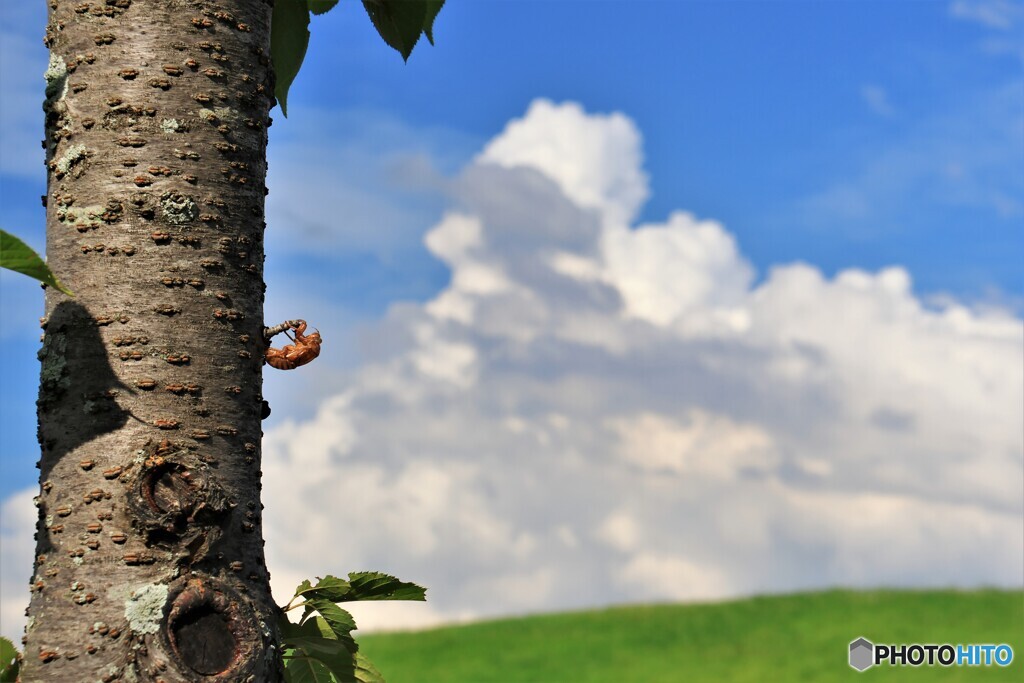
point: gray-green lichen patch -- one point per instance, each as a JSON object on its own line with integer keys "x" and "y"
{"x": 72, "y": 155}
{"x": 113, "y": 672}
{"x": 218, "y": 114}
{"x": 144, "y": 609}
{"x": 88, "y": 216}
{"x": 56, "y": 76}
{"x": 178, "y": 208}
{"x": 173, "y": 126}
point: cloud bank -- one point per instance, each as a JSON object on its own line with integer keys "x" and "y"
{"x": 596, "y": 412}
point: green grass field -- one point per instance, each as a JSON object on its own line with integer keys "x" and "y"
{"x": 800, "y": 637}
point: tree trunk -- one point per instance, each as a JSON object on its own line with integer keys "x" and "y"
{"x": 150, "y": 561}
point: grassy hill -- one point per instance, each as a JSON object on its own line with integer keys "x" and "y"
{"x": 801, "y": 637}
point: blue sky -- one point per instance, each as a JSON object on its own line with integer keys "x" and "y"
{"x": 840, "y": 135}
{"x": 756, "y": 111}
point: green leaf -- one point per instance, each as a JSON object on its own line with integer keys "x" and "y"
{"x": 303, "y": 587}
{"x": 340, "y": 621}
{"x": 303, "y": 669}
{"x": 366, "y": 672}
{"x": 320, "y": 648}
{"x": 289, "y": 38}
{"x": 324, "y": 648}
{"x": 316, "y": 635}
{"x": 330, "y": 587}
{"x": 433, "y": 7}
{"x": 319, "y": 7}
{"x": 378, "y": 586}
{"x": 399, "y": 22}
{"x": 335, "y": 656}
{"x": 9, "y": 663}
{"x": 290, "y": 629}
{"x": 324, "y": 630}
{"x": 17, "y": 256}
{"x": 329, "y": 633}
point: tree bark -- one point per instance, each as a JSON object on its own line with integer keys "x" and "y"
{"x": 150, "y": 560}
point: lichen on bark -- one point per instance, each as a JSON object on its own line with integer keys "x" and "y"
{"x": 56, "y": 76}
{"x": 144, "y": 609}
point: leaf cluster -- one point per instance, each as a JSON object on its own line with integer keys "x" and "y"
{"x": 320, "y": 647}
{"x": 399, "y": 23}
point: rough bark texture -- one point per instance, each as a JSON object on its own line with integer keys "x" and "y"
{"x": 150, "y": 561}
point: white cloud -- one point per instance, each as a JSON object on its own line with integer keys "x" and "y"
{"x": 994, "y": 14}
{"x": 620, "y": 531}
{"x": 709, "y": 445}
{"x": 17, "y": 524}
{"x": 653, "y": 576}
{"x": 591, "y": 413}
{"x": 594, "y": 159}
{"x": 675, "y": 272}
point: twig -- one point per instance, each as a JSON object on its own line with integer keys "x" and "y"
{"x": 271, "y": 332}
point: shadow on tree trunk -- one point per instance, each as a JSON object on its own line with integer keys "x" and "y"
{"x": 76, "y": 365}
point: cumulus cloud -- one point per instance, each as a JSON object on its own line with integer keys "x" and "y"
{"x": 595, "y": 412}
{"x": 594, "y": 159}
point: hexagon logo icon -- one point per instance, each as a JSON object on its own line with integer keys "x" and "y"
{"x": 862, "y": 654}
